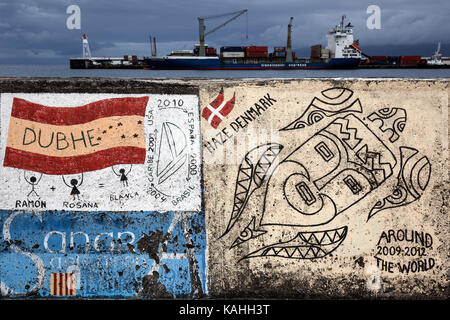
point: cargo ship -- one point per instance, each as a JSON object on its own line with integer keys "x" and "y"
{"x": 341, "y": 52}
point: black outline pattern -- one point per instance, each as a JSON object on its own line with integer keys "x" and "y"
{"x": 251, "y": 176}
{"x": 392, "y": 120}
{"x": 305, "y": 245}
{"x": 333, "y": 101}
{"x": 411, "y": 182}
{"x": 350, "y": 154}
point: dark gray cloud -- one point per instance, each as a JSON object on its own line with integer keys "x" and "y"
{"x": 34, "y": 31}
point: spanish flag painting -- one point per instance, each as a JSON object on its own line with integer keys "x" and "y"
{"x": 69, "y": 140}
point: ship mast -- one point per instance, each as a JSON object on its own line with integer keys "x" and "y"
{"x": 289, "y": 42}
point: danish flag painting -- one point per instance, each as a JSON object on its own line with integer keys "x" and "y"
{"x": 70, "y": 140}
{"x": 218, "y": 110}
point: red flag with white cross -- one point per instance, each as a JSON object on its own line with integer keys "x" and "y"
{"x": 218, "y": 109}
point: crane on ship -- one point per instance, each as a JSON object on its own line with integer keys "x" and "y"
{"x": 202, "y": 28}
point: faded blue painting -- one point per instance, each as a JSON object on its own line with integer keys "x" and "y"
{"x": 102, "y": 254}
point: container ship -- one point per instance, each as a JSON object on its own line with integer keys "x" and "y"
{"x": 341, "y": 52}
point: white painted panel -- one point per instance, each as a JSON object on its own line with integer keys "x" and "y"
{"x": 169, "y": 180}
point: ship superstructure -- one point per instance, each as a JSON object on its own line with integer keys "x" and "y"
{"x": 341, "y": 43}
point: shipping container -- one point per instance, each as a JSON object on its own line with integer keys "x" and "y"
{"x": 227, "y": 54}
{"x": 394, "y": 59}
{"x": 133, "y": 57}
{"x": 410, "y": 60}
{"x": 325, "y": 53}
{"x": 415, "y": 58}
{"x": 257, "y": 49}
{"x": 379, "y": 58}
{"x": 279, "y": 54}
{"x": 316, "y": 51}
{"x": 256, "y": 52}
{"x": 125, "y": 58}
{"x": 279, "y": 49}
{"x": 232, "y": 49}
{"x": 211, "y": 51}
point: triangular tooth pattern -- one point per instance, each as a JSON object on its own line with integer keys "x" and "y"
{"x": 319, "y": 236}
{"x": 309, "y": 253}
{"x": 315, "y": 251}
{"x": 330, "y": 236}
{"x": 323, "y": 240}
{"x": 271, "y": 252}
{"x": 335, "y": 236}
{"x": 290, "y": 251}
{"x": 244, "y": 172}
{"x": 313, "y": 239}
{"x": 264, "y": 164}
{"x": 258, "y": 179}
{"x": 301, "y": 253}
{"x": 304, "y": 236}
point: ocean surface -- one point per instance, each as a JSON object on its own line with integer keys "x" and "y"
{"x": 63, "y": 71}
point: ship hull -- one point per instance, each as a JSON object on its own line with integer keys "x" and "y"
{"x": 200, "y": 63}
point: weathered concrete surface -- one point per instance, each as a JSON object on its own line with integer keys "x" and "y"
{"x": 368, "y": 164}
{"x": 261, "y": 210}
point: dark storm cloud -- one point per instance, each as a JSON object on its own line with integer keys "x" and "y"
{"x": 35, "y": 30}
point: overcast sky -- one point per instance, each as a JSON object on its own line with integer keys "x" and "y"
{"x": 34, "y": 31}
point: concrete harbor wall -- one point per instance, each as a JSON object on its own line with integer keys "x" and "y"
{"x": 224, "y": 188}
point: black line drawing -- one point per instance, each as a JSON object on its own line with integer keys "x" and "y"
{"x": 171, "y": 155}
{"x": 413, "y": 178}
{"x": 123, "y": 174}
{"x": 154, "y": 187}
{"x": 332, "y": 102}
{"x": 354, "y": 163}
{"x": 32, "y": 181}
{"x": 250, "y": 232}
{"x": 392, "y": 120}
{"x": 305, "y": 245}
{"x": 74, "y": 184}
{"x": 251, "y": 175}
{"x": 313, "y": 182}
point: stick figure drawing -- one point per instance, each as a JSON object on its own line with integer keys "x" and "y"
{"x": 74, "y": 184}
{"x": 32, "y": 181}
{"x": 122, "y": 173}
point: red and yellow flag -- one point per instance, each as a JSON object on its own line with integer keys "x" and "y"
{"x": 62, "y": 284}
{"x": 69, "y": 140}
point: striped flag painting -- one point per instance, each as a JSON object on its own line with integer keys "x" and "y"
{"x": 62, "y": 284}
{"x": 218, "y": 109}
{"x": 70, "y": 140}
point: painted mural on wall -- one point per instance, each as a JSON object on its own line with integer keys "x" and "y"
{"x": 326, "y": 180}
{"x": 102, "y": 254}
{"x": 318, "y": 179}
{"x": 100, "y": 152}
{"x": 101, "y": 196}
